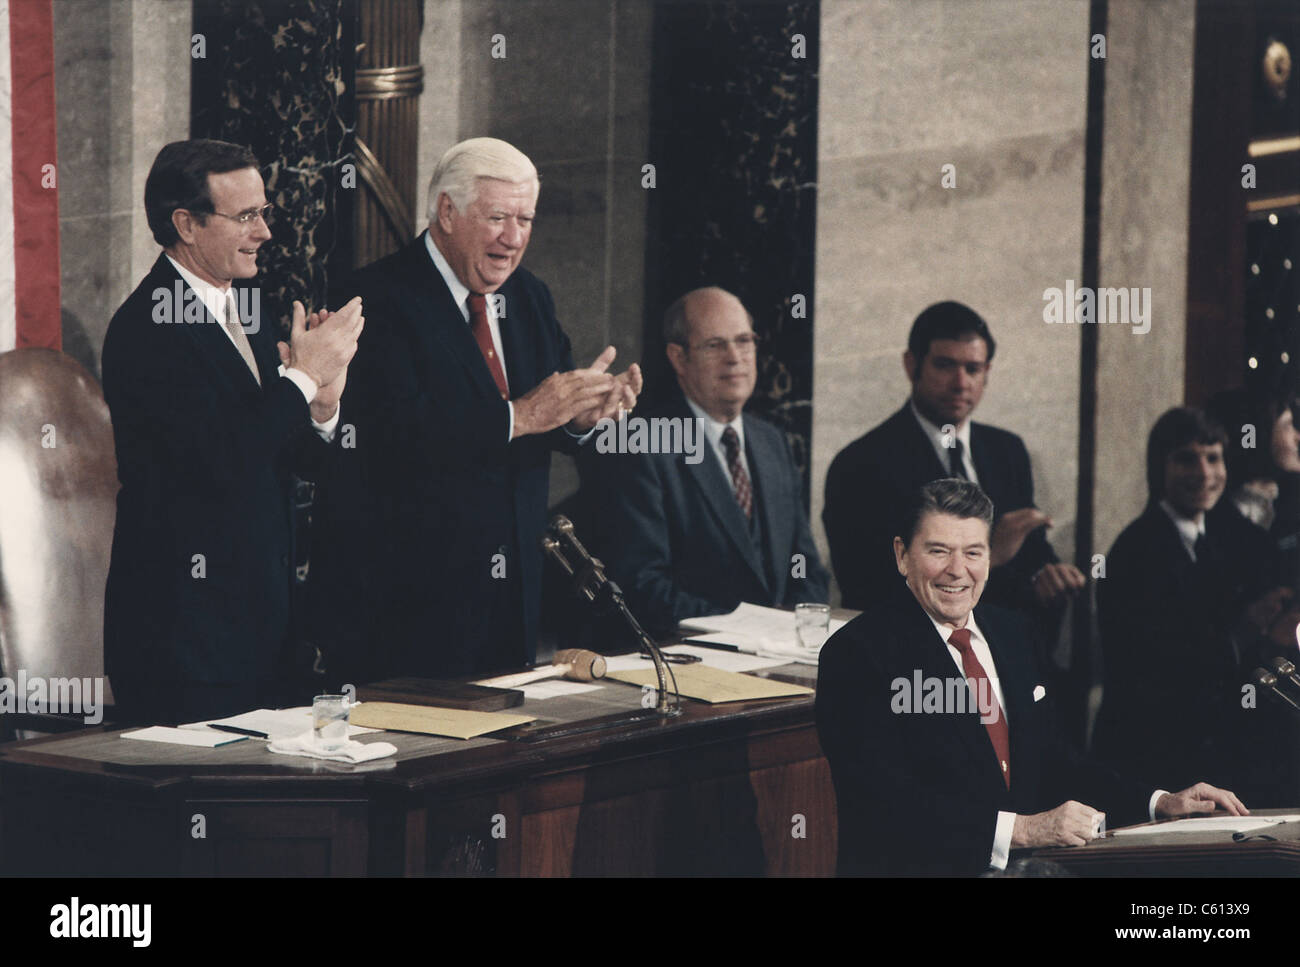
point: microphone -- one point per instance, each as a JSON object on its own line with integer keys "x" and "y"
{"x": 587, "y": 572}
{"x": 1286, "y": 670}
{"x": 589, "y": 581}
{"x": 1266, "y": 680}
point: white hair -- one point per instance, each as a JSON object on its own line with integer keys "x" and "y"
{"x": 459, "y": 170}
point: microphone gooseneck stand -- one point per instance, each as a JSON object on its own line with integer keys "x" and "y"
{"x": 587, "y": 575}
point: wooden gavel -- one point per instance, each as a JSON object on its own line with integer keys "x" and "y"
{"x": 575, "y": 664}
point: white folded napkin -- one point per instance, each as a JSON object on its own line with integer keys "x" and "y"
{"x": 305, "y": 744}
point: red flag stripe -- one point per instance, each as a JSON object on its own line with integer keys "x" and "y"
{"x": 35, "y": 206}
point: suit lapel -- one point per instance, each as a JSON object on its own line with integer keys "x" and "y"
{"x": 436, "y": 320}
{"x": 715, "y": 486}
{"x": 214, "y": 345}
{"x": 1009, "y": 653}
{"x": 763, "y": 461}
{"x": 935, "y": 661}
{"x": 515, "y": 345}
{"x": 916, "y": 454}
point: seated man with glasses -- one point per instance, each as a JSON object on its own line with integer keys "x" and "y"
{"x": 697, "y": 532}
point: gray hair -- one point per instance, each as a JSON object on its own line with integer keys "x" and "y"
{"x": 951, "y": 495}
{"x": 463, "y": 165}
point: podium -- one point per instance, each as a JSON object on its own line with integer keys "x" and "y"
{"x": 1187, "y": 854}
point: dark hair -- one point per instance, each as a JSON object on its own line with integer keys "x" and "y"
{"x": 947, "y": 320}
{"x": 1175, "y": 429}
{"x": 950, "y": 495}
{"x": 179, "y": 179}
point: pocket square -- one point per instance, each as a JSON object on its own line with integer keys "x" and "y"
{"x": 1039, "y": 692}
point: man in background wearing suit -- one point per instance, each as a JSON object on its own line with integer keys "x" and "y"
{"x": 689, "y": 537}
{"x": 1185, "y": 612}
{"x": 208, "y": 427}
{"x": 952, "y": 784}
{"x": 462, "y": 386}
{"x": 949, "y": 353}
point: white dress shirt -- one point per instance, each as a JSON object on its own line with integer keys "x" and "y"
{"x": 713, "y": 431}
{"x": 1188, "y": 530}
{"x": 938, "y": 438}
{"x": 214, "y": 300}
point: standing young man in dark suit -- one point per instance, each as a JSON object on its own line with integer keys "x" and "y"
{"x": 939, "y": 732}
{"x": 689, "y": 534}
{"x": 208, "y": 427}
{"x": 462, "y": 386}
{"x": 1184, "y": 612}
{"x": 949, "y": 353}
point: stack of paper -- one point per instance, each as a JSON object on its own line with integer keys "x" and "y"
{"x": 755, "y": 630}
{"x": 282, "y": 723}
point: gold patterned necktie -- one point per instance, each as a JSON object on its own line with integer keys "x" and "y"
{"x": 239, "y": 336}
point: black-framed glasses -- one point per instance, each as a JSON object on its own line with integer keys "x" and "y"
{"x": 245, "y": 219}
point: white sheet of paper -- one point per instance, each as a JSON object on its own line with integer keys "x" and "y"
{"x": 755, "y": 630}
{"x": 731, "y": 661}
{"x": 626, "y": 663}
{"x": 555, "y": 688}
{"x": 161, "y": 733}
{"x": 283, "y": 723}
{"x": 1212, "y": 824}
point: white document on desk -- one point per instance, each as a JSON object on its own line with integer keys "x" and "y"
{"x": 280, "y": 723}
{"x": 205, "y": 740}
{"x": 729, "y": 661}
{"x": 753, "y": 629}
{"x": 1211, "y": 824}
{"x": 555, "y": 688}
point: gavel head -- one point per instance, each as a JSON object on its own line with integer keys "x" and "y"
{"x": 583, "y": 665}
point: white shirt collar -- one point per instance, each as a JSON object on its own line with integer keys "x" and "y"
{"x": 937, "y": 437}
{"x": 1188, "y": 530}
{"x": 213, "y": 298}
{"x": 945, "y": 632}
{"x": 713, "y": 429}
{"x": 459, "y": 290}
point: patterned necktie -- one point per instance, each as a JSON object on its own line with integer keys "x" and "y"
{"x": 238, "y": 335}
{"x": 739, "y": 479}
{"x": 956, "y": 465}
{"x": 980, "y": 685}
{"x": 478, "y": 323}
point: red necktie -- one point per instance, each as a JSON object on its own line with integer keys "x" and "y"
{"x": 980, "y": 685}
{"x": 478, "y": 324}
{"x": 739, "y": 479}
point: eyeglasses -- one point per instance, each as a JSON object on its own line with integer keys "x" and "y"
{"x": 745, "y": 345}
{"x": 245, "y": 219}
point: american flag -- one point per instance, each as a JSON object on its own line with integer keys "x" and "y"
{"x": 29, "y": 199}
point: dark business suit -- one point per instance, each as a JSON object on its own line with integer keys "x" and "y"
{"x": 873, "y": 480}
{"x": 430, "y": 563}
{"x": 676, "y": 540}
{"x": 920, "y": 792}
{"x": 1173, "y": 673}
{"x": 205, "y": 458}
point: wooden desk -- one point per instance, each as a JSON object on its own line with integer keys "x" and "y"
{"x": 1186, "y": 854}
{"x": 719, "y": 789}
